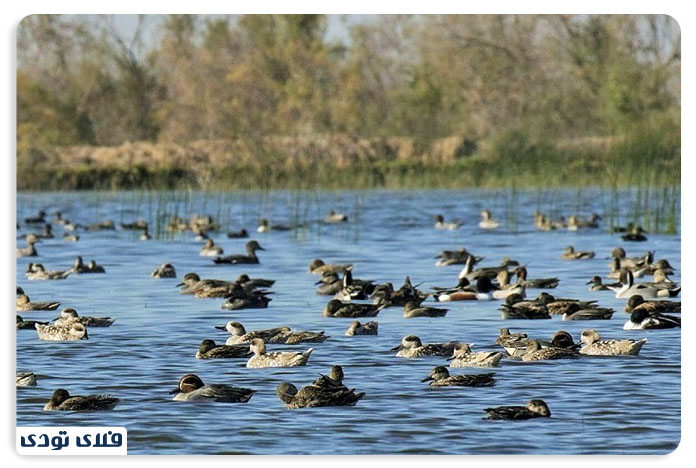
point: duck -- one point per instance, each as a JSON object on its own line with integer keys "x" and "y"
{"x": 338, "y": 309}
{"x": 241, "y": 234}
{"x": 533, "y": 409}
{"x": 250, "y": 258}
{"x": 176, "y": 224}
{"x": 512, "y": 289}
{"x": 642, "y": 319}
{"x": 596, "y": 347}
{"x": 597, "y": 285}
{"x": 636, "y": 235}
{"x": 661, "y": 264}
{"x": 138, "y": 225}
{"x": 575, "y": 222}
{"x": 318, "y": 267}
{"x": 661, "y": 280}
{"x": 629, "y": 288}
{"x": 357, "y": 328}
{"x": 488, "y": 272}
{"x": 47, "y": 232}
{"x": 465, "y": 291}
{"x": 329, "y": 284}
{"x": 487, "y": 222}
{"x": 26, "y": 379}
{"x": 192, "y": 388}
{"x": 73, "y": 332}
{"x": 515, "y": 307}
{"x": 313, "y": 396}
{"x": 441, "y": 224}
{"x": 209, "y": 350}
{"x": 535, "y": 352}
{"x": 25, "y": 304}
{"x": 627, "y": 228}
{"x": 334, "y": 218}
{"x": 61, "y": 400}
{"x": 576, "y": 312}
{"x": 192, "y": 284}
{"x": 283, "y": 335}
{"x": 559, "y": 306}
{"x": 27, "y": 324}
{"x": 106, "y": 225}
{"x": 265, "y": 226}
{"x": 571, "y": 254}
{"x": 463, "y": 356}
{"x": 36, "y": 271}
{"x": 30, "y": 249}
{"x": 539, "y": 283}
{"x": 262, "y": 358}
{"x": 440, "y": 377}
{"x": 70, "y": 238}
{"x": 456, "y": 257}
{"x": 210, "y": 249}
{"x": 354, "y": 289}
{"x": 40, "y": 218}
{"x": 69, "y": 315}
{"x": 512, "y": 342}
{"x": 145, "y": 235}
{"x": 636, "y": 302}
{"x": 238, "y": 299}
{"x": 79, "y": 267}
{"x": 631, "y": 262}
{"x": 411, "y": 310}
{"x": 249, "y": 284}
{"x": 385, "y": 294}
{"x": 166, "y": 270}
{"x": 412, "y": 347}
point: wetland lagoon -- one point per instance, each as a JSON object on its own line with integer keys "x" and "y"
{"x": 599, "y": 405}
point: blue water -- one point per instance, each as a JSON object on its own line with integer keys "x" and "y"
{"x": 598, "y": 405}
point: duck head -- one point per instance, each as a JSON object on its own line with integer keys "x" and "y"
{"x": 188, "y": 383}
{"x": 206, "y": 345}
{"x": 589, "y": 336}
{"x": 286, "y": 392}
{"x": 438, "y": 373}
{"x": 408, "y": 342}
{"x": 59, "y": 396}
{"x": 257, "y": 346}
{"x": 539, "y": 407}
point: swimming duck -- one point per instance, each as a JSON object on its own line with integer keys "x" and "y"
{"x": 250, "y": 258}
{"x": 265, "y": 226}
{"x": 559, "y": 306}
{"x": 241, "y": 234}
{"x": 209, "y": 350}
{"x": 68, "y": 316}
{"x": 334, "y": 218}
{"x": 176, "y": 224}
{"x": 642, "y": 319}
{"x": 192, "y": 388}
{"x": 26, "y": 379}
{"x": 535, "y": 352}
{"x": 38, "y": 219}
{"x": 629, "y": 288}
{"x": 627, "y": 228}
{"x": 357, "y": 328}
{"x": 61, "y": 400}
{"x": 329, "y": 284}
{"x": 24, "y": 304}
{"x": 70, "y": 238}
{"x": 571, "y": 254}
{"x": 262, "y": 358}
{"x": 249, "y": 284}
{"x": 576, "y": 312}
{"x": 465, "y": 291}
{"x": 312, "y": 396}
{"x": 193, "y": 284}
{"x": 539, "y": 283}
{"x": 462, "y": 356}
{"x": 487, "y": 222}
{"x": 36, "y": 271}
{"x": 238, "y": 299}
{"x": 533, "y": 409}
{"x": 637, "y": 302}
{"x": 488, "y": 272}
{"x": 338, "y": 309}
{"x": 318, "y": 267}
{"x": 29, "y": 250}
{"x": 47, "y": 232}
{"x": 210, "y": 249}
{"x": 542, "y": 222}
{"x": 385, "y": 294}
{"x": 411, "y": 310}
{"x": 596, "y": 284}
{"x": 513, "y": 289}
{"x": 650, "y": 269}
{"x": 107, "y": 225}
{"x": 354, "y": 289}
{"x": 283, "y": 335}
{"x": 440, "y": 377}
{"x": 456, "y": 257}
{"x": 412, "y": 347}
{"x": 332, "y": 381}
{"x": 511, "y": 340}
{"x": 631, "y": 262}
{"x": 516, "y": 307}
{"x": 441, "y": 224}
{"x": 575, "y": 222}
{"x": 58, "y": 218}
{"x": 72, "y": 332}
{"x": 595, "y": 347}
{"x": 27, "y": 324}
{"x": 138, "y": 225}
{"x": 166, "y": 270}
{"x": 79, "y": 267}
{"x": 636, "y": 235}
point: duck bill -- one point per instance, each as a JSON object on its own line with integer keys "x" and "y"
{"x": 318, "y": 283}
{"x": 589, "y": 282}
{"x": 397, "y": 348}
{"x": 179, "y": 285}
{"x": 220, "y": 327}
{"x": 427, "y": 379}
{"x": 451, "y": 358}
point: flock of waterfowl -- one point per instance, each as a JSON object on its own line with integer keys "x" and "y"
{"x": 354, "y": 298}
